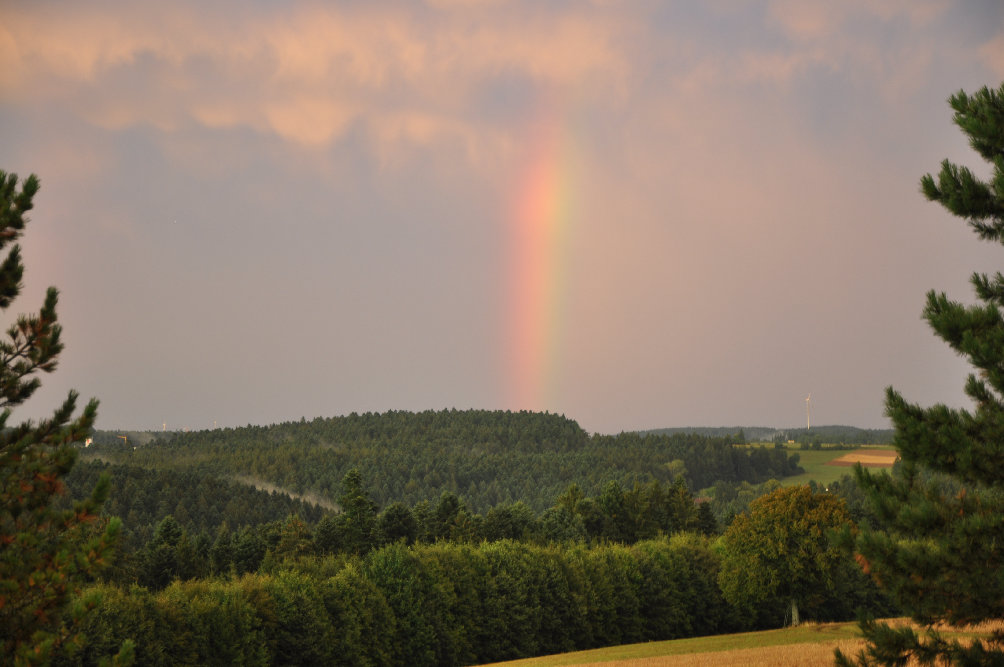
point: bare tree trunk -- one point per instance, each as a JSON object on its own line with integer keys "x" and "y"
{"x": 794, "y": 612}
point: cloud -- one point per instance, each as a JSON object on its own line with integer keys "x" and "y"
{"x": 816, "y": 20}
{"x": 308, "y": 121}
{"x": 306, "y": 74}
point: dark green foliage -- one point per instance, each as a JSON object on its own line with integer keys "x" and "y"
{"x": 706, "y": 522}
{"x": 513, "y": 611}
{"x": 295, "y": 541}
{"x": 781, "y": 556}
{"x": 210, "y": 623}
{"x": 663, "y": 608}
{"x": 510, "y": 522}
{"x": 729, "y": 499}
{"x": 708, "y": 612}
{"x": 396, "y": 571}
{"x": 430, "y": 604}
{"x": 327, "y": 536}
{"x": 249, "y": 548}
{"x": 143, "y": 497}
{"x": 303, "y": 633}
{"x": 359, "y": 613}
{"x": 123, "y": 612}
{"x": 460, "y": 573}
{"x": 357, "y": 521}
{"x": 47, "y": 552}
{"x": 221, "y": 554}
{"x": 559, "y": 524}
{"x": 640, "y": 513}
{"x": 487, "y": 458}
{"x": 395, "y": 523}
{"x": 450, "y": 519}
{"x": 844, "y": 435}
{"x": 941, "y": 551}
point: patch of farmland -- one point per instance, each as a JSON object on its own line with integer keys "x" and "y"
{"x": 868, "y": 458}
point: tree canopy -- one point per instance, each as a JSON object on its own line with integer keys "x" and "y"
{"x": 942, "y": 554}
{"x": 780, "y": 555}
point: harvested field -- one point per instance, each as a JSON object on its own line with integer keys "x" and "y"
{"x": 869, "y": 458}
{"x": 793, "y": 655}
{"x": 807, "y": 645}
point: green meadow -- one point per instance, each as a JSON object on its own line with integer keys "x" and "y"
{"x": 818, "y": 467}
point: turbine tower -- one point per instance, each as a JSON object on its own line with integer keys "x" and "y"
{"x": 808, "y": 413}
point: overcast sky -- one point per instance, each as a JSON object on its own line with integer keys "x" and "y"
{"x": 636, "y": 214}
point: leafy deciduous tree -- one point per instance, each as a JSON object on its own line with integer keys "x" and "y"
{"x": 780, "y": 553}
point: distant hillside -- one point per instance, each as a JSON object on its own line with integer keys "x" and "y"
{"x": 752, "y": 433}
{"x": 485, "y": 457}
{"x": 850, "y": 435}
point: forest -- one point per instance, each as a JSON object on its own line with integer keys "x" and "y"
{"x": 435, "y": 584}
{"x": 487, "y": 457}
{"x": 483, "y": 460}
{"x": 617, "y": 539}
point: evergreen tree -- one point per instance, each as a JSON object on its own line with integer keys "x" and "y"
{"x": 47, "y": 553}
{"x": 395, "y": 523}
{"x": 358, "y": 517}
{"x": 941, "y": 555}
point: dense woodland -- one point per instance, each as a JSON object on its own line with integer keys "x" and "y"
{"x": 434, "y": 585}
{"x": 613, "y": 539}
{"x": 481, "y": 463}
{"x": 446, "y": 603}
{"x": 487, "y": 457}
{"x": 832, "y": 434}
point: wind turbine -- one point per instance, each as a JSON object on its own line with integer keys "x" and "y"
{"x": 808, "y": 413}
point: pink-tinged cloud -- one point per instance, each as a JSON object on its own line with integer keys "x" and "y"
{"x": 305, "y": 73}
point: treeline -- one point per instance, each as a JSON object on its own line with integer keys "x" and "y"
{"x": 439, "y": 604}
{"x": 728, "y": 500}
{"x": 178, "y": 551}
{"x": 836, "y": 434}
{"x": 489, "y": 458}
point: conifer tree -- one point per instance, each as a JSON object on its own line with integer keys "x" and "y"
{"x": 941, "y": 553}
{"x": 45, "y": 554}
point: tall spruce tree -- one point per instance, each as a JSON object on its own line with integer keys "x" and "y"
{"x": 941, "y": 553}
{"x": 45, "y": 554}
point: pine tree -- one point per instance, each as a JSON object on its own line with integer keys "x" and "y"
{"x": 45, "y": 554}
{"x": 941, "y": 552}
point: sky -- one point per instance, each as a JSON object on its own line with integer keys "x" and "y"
{"x": 636, "y": 214}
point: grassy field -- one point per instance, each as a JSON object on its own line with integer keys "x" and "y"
{"x": 807, "y": 645}
{"x": 817, "y": 465}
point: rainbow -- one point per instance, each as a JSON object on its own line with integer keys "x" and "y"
{"x": 540, "y": 223}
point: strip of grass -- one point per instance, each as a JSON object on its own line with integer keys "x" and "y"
{"x": 808, "y": 633}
